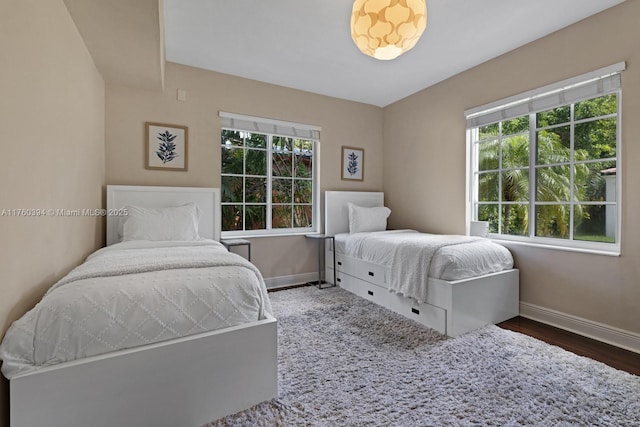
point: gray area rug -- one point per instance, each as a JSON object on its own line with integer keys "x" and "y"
{"x": 344, "y": 361}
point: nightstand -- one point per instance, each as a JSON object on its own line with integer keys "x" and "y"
{"x": 228, "y": 243}
{"x": 321, "y": 239}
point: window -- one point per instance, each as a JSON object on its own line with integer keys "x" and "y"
{"x": 545, "y": 166}
{"x": 268, "y": 176}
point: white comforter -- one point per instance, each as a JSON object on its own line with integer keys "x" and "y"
{"x": 132, "y": 294}
{"x": 414, "y": 257}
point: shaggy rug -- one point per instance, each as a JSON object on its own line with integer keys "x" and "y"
{"x": 344, "y": 361}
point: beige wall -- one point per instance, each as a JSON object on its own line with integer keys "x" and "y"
{"x": 52, "y": 115}
{"x": 342, "y": 122}
{"x": 424, "y": 162}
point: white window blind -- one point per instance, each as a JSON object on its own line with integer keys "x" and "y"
{"x": 270, "y": 126}
{"x": 590, "y": 85}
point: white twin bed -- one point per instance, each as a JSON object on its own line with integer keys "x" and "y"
{"x": 453, "y": 284}
{"x": 166, "y": 328}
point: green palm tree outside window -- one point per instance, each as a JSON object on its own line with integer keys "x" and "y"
{"x": 572, "y": 148}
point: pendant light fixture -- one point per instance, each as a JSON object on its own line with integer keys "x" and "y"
{"x": 385, "y": 29}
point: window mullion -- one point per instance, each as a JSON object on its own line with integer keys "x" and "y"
{"x": 475, "y": 163}
{"x": 533, "y": 149}
{"x": 572, "y": 160}
{"x": 269, "y": 201}
{"x": 293, "y": 183}
{"x": 500, "y": 176}
{"x": 618, "y": 189}
{"x": 244, "y": 181}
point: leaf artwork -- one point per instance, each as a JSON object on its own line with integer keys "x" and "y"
{"x": 166, "y": 148}
{"x": 352, "y": 166}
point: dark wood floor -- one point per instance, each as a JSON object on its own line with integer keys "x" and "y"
{"x": 613, "y": 356}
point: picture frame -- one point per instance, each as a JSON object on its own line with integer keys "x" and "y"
{"x": 166, "y": 146}
{"x": 352, "y": 163}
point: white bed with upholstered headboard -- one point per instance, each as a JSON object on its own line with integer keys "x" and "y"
{"x": 184, "y": 336}
{"x": 453, "y": 284}
{"x": 121, "y": 196}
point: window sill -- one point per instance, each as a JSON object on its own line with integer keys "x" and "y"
{"x": 594, "y": 251}
{"x": 249, "y": 235}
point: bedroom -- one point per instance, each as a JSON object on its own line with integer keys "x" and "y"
{"x": 52, "y": 86}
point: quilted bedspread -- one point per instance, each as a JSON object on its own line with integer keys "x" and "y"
{"x": 414, "y": 257}
{"x": 132, "y": 294}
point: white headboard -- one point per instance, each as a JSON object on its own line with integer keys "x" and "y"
{"x": 207, "y": 200}
{"x": 336, "y": 211}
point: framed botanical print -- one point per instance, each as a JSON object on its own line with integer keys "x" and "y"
{"x": 352, "y": 163}
{"x": 166, "y": 146}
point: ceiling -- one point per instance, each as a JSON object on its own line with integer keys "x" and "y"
{"x": 124, "y": 38}
{"x": 307, "y": 44}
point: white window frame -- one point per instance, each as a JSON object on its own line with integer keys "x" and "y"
{"x": 276, "y": 128}
{"x": 564, "y": 93}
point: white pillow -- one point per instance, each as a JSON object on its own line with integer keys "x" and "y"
{"x": 170, "y": 223}
{"x": 363, "y": 219}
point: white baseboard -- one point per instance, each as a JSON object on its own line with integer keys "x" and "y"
{"x": 296, "y": 279}
{"x": 588, "y": 328}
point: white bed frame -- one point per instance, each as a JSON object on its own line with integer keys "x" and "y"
{"x": 452, "y": 307}
{"x": 207, "y": 200}
{"x": 182, "y": 382}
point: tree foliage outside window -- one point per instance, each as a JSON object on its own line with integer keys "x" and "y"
{"x": 544, "y": 174}
{"x": 267, "y": 182}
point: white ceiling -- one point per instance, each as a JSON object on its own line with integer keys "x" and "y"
{"x": 307, "y": 45}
